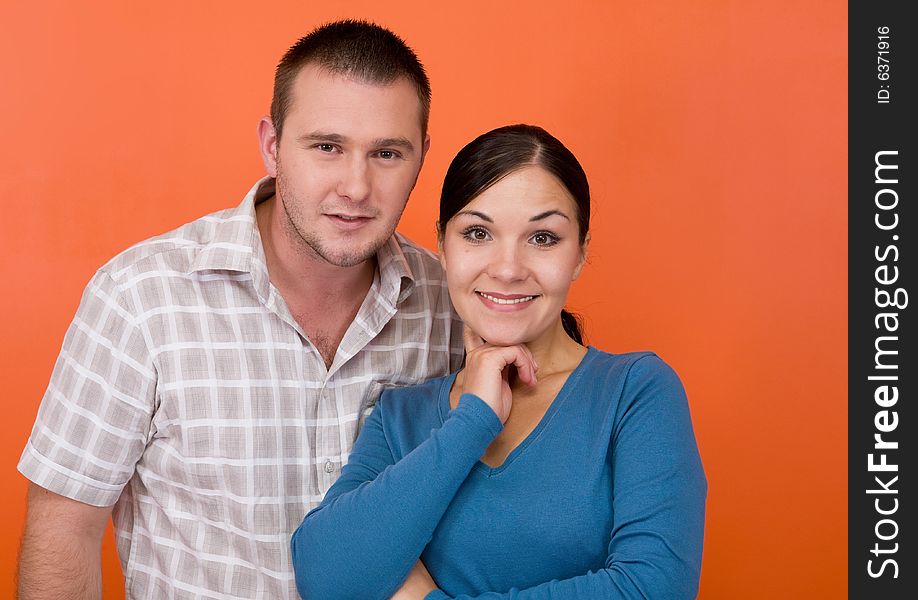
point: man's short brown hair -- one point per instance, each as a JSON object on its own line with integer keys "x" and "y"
{"x": 358, "y": 49}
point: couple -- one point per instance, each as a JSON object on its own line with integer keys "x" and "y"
{"x": 212, "y": 381}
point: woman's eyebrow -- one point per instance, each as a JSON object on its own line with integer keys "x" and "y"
{"x": 475, "y": 213}
{"x": 538, "y": 217}
{"x": 549, "y": 213}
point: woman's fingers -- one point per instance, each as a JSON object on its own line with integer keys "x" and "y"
{"x": 526, "y": 366}
{"x": 471, "y": 339}
{"x": 486, "y": 374}
{"x": 488, "y": 358}
{"x": 418, "y": 584}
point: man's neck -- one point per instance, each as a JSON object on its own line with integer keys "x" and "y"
{"x": 322, "y": 298}
{"x": 295, "y": 268}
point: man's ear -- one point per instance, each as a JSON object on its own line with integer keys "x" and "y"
{"x": 267, "y": 145}
{"x": 583, "y": 256}
{"x": 424, "y": 148}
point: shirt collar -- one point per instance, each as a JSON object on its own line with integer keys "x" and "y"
{"x": 395, "y": 274}
{"x": 235, "y": 244}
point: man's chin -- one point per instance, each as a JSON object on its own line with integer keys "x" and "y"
{"x": 345, "y": 250}
{"x": 349, "y": 257}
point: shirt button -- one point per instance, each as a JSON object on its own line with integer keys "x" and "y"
{"x": 329, "y": 467}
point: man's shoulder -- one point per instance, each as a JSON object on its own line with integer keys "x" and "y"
{"x": 402, "y": 404}
{"x": 179, "y": 250}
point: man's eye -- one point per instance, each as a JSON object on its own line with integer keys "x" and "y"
{"x": 387, "y": 154}
{"x": 326, "y": 147}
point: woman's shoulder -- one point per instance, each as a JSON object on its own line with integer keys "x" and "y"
{"x": 632, "y": 374}
{"x": 637, "y": 391}
{"x": 628, "y": 364}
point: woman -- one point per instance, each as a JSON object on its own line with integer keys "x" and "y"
{"x": 542, "y": 469}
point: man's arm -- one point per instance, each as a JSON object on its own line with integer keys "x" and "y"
{"x": 61, "y": 547}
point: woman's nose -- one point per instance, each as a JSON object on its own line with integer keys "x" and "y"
{"x": 507, "y": 264}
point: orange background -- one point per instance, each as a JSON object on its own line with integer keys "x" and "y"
{"x": 714, "y": 134}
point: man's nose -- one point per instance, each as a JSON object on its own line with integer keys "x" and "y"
{"x": 354, "y": 183}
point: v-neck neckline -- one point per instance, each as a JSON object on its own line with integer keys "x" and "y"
{"x": 553, "y": 408}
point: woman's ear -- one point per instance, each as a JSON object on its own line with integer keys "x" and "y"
{"x": 440, "y": 246}
{"x": 583, "y": 256}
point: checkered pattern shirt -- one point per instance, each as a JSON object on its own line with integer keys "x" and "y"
{"x": 187, "y": 396}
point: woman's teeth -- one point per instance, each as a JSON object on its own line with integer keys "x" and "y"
{"x": 507, "y": 300}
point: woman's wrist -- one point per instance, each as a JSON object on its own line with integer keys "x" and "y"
{"x": 479, "y": 409}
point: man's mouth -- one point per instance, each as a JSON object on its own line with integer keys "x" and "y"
{"x": 349, "y": 222}
{"x": 350, "y": 217}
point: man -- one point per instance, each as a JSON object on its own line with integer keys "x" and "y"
{"x": 211, "y": 383}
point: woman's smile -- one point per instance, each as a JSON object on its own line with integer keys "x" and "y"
{"x": 506, "y": 302}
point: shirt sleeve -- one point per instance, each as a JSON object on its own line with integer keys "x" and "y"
{"x": 94, "y": 419}
{"x": 659, "y": 492}
{"x": 375, "y": 521}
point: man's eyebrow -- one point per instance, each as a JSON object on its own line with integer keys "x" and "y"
{"x": 398, "y": 142}
{"x": 323, "y": 136}
{"x": 549, "y": 213}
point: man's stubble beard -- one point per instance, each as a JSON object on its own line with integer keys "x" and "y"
{"x": 309, "y": 243}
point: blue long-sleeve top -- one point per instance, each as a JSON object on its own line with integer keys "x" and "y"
{"x": 604, "y": 499}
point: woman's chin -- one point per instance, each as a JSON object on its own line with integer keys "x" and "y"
{"x": 502, "y": 332}
{"x": 503, "y": 338}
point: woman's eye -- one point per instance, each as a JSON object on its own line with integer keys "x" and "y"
{"x": 544, "y": 239}
{"x": 475, "y": 234}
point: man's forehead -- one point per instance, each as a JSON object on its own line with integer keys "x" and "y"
{"x": 323, "y": 100}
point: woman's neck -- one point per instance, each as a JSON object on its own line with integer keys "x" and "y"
{"x": 554, "y": 352}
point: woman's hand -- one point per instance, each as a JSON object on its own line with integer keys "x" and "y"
{"x": 418, "y": 584}
{"x": 487, "y": 371}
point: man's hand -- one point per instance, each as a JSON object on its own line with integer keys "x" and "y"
{"x": 61, "y": 548}
{"x": 418, "y": 584}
